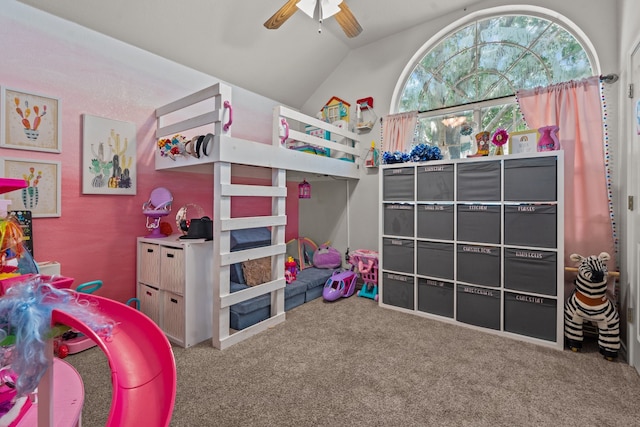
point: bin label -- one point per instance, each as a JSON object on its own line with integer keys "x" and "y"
{"x": 527, "y": 254}
{"x": 397, "y": 277}
{"x": 434, "y": 169}
{"x": 477, "y": 249}
{"x": 478, "y": 291}
{"x": 529, "y": 299}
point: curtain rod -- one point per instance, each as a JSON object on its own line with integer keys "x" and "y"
{"x": 605, "y": 78}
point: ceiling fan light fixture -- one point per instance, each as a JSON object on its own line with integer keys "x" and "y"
{"x": 327, "y": 8}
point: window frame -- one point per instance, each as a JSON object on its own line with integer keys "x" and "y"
{"x": 489, "y": 13}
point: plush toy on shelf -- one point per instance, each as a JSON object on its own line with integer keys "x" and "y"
{"x": 589, "y": 302}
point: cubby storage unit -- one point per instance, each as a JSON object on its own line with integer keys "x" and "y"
{"x": 477, "y": 242}
{"x": 175, "y": 286}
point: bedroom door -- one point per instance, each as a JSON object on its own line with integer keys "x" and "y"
{"x": 633, "y": 175}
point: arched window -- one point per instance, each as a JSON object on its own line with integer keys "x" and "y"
{"x": 466, "y": 82}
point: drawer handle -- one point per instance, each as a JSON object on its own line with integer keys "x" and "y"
{"x": 149, "y": 293}
{"x": 170, "y": 255}
{"x": 149, "y": 251}
{"x": 173, "y": 300}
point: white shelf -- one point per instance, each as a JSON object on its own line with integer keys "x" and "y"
{"x": 175, "y": 286}
{"x": 472, "y": 242}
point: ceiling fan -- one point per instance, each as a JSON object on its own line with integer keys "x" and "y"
{"x": 319, "y": 9}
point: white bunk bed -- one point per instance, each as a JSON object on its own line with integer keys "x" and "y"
{"x": 212, "y": 110}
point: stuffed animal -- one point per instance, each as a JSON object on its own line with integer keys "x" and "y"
{"x": 327, "y": 257}
{"x": 589, "y": 302}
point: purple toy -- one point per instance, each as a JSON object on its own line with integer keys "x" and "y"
{"x": 327, "y": 257}
{"x": 340, "y": 284}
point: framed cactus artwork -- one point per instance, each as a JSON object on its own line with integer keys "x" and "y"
{"x": 30, "y": 121}
{"x": 108, "y": 156}
{"x": 42, "y": 194}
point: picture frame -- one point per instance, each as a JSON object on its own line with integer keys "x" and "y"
{"x": 30, "y": 121}
{"x": 524, "y": 141}
{"x": 108, "y": 156}
{"x": 43, "y": 195}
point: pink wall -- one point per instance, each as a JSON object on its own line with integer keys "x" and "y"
{"x": 95, "y": 238}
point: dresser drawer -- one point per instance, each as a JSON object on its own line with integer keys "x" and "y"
{"x": 150, "y": 302}
{"x": 172, "y": 273}
{"x": 173, "y": 316}
{"x": 149, "y": 264}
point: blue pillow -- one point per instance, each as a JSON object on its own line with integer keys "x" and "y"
{"x": 247, "y": 238}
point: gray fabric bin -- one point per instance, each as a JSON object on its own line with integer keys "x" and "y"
{"x": 479, "y": 181}
{"x": 398, "y": 184}
{"x": 436, "y": 259}
{"x": 478, "y": 306}
{"x": 530, "y": 271}
{"x": 435, "y": 297}
{"x": 398, "y": 290}
{"x": 530, "y": 180}
{"x": 530, "y": 316}
{"x": 435, "y": 183}
{"x": 435, "y": 221}
{"x": 397, "y": 255}
{"x": 399, "y": 219}
{"x": 530, "y": 225}
{"x": 479, "y": 223}
{"x": 479, "y": 265}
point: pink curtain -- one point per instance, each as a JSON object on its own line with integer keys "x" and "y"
{"x": 398, "y": 130}
{"x": 576, "y": 108}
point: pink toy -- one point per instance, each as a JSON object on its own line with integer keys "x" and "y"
{"x": 290, "y": 270}
{"x": 548, "y": 138}
{"x": 71, "y": 341}
{"x": 340, "y": 285}
{"x": 288, "y": 277}
{"x": 366, "y": 262}
{"x": 58, "y": 282}
{"x": 143, "y": 370}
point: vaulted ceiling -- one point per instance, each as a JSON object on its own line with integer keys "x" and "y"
{"x": 227, "y": 39}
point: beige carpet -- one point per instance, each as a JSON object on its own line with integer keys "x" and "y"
{"x": 352, "y": 363}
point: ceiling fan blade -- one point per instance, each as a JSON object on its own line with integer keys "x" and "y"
{"x": 347, "y": 21}
{"x": 284, "y": 13}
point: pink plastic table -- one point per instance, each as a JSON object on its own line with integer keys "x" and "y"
{"x": 67, "y": 398}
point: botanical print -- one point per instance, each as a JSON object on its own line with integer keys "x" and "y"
{"x": 31, "y": 122}
{"x": 109, "y": 156}
{"x": 42, "y": 194}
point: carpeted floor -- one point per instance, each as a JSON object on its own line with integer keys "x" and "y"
{"x": 352, "y": 363}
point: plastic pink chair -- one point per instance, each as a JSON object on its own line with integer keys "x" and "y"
{"x": 158, "y": 206}
{"x": 143, "y": 369}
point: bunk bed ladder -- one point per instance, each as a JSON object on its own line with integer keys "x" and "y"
{"x": 223, "y": 225}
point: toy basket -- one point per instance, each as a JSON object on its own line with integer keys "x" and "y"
{"x": 367, "y": 263}
{"x": 371, "y": 276}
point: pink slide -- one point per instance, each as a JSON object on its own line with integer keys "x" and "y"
{"x": 143, "y": 369}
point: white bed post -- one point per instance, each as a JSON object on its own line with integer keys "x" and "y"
{"x": 221, "y": 238}
{"x": 278, "y": 179}
{"x": 221, "y": 245}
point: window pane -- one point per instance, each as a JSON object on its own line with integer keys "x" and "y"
{"x": 455, "y": 132}
{"x": 493, "y": 58}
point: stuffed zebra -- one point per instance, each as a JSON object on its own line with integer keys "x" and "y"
{"x": 589, "y": 302}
